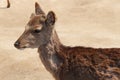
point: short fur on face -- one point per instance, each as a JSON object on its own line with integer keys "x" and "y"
{"x": 38, "y": 30}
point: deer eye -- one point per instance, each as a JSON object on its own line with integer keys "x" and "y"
{"x": 37, "y": 31}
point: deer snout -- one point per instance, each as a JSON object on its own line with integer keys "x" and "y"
{"x": 17, "y": 44}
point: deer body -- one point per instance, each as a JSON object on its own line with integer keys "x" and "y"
{"x": 80, "y": 63}
{"x": 63, "y": 62}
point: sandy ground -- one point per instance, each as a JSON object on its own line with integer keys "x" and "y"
{"x": 93, "y": 23}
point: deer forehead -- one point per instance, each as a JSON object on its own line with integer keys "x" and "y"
{"x": 39, "y": 27}
{"x": 35, "y": 22}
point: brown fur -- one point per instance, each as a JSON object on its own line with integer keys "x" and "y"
{"x": 8, "y": 4}
{"x": 68, "y": 63}
{"x": 82, "y": 63}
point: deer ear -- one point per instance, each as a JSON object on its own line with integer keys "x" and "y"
{"x": 38, "y": 10}
{"x": 51, "y": 18}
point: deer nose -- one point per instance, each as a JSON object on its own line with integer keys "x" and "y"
{"x": 17, "y": 44}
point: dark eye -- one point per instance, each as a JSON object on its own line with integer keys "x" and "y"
{"x": 36, "y": 31}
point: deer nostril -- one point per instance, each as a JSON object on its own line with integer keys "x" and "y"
{"x": 17, "y": 44}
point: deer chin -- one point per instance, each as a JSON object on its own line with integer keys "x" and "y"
{"x": 22, "y": 47}
{"x": 27, "y": 46}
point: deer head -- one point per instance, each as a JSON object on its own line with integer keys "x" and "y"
{"x": 38, "y": 30}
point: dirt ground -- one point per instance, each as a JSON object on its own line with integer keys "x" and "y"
{"x": 93, "y": 23}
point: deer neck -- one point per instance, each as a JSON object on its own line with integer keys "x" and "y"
{"x": 49, "y": 54}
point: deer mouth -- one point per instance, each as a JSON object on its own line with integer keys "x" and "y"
{"x": 19, "y": 46}
{"x": 22, "y": 48}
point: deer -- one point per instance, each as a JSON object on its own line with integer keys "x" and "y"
{"x": 65, "y": 62}
{"x": 8, "y": 5}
